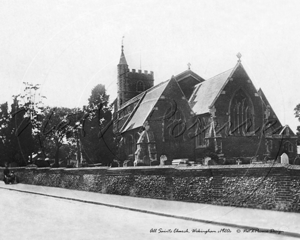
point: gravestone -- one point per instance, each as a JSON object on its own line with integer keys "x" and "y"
{"x": 115, "y": 163}
{"x": 127, "y": 163}
{"x": 206, "y": 160}
{"x": 163, "y": 159}
{"x": 297, "y": 161}
{"x": 284, "y": 159}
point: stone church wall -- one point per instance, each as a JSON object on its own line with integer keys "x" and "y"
{"x": 275, "y": 187}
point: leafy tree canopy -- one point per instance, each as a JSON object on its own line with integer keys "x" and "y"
{"x": 297, "y": 115}
{"x": 98, "y": 140}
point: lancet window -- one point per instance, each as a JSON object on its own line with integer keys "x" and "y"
{"x": 140, "y": 86}
{"x": 241, "y": 114}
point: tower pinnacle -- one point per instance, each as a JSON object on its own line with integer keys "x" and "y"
{"x": 122, "y": 58}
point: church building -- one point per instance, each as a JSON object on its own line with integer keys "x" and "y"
{"x": 187, "y": 117}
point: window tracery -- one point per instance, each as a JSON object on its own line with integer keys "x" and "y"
{"x": 241, "y": 114}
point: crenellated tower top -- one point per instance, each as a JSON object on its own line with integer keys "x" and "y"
{"x": 131, "y": 83}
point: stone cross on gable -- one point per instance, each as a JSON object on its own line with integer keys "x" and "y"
{"x": 239, "y": 55}
{"x": 212, "y": 111}
{"x": 189, "y": 66}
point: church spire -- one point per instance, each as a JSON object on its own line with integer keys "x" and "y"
{"x": 122, "y": 58}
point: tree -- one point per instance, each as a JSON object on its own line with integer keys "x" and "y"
{"x": 99, "y": 96}
{"x": 17, "y": 143}
{"x": 31, "y": 104}
{"x": 8, "y": 144}
{"x": 297, "y": 115}
{"x": 50, "y": 127}
{"x": 58, "y": 128}
{"x": 23, "y": 123}
{"x": 44, "y": 130}
{"x": 97, "y": 136}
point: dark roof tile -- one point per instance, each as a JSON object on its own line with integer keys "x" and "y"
{"x": 206, "y": 92}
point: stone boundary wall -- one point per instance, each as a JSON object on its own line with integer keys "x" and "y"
{"x": 265, "y": 186}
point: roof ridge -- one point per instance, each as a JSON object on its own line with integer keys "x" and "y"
{"x": 217, "y": 82}
{"x": 133, "y": 112}
{"x": 220, "y": 73}
{"x": 231, "y": 72}
{"x": 266, "y": 103}
{"x": 135, "y": 98}
{"x": 145, "y": 99}
{"x": 190, "y": 72}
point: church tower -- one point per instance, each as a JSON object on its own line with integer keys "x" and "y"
{"x": 131, "y": 83}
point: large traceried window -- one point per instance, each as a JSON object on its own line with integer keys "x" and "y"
{"x": 241, "y": 114}
{"x": 179, "y": 124}
{"x": 174, "y": 124}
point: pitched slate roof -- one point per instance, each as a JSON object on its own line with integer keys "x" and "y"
{"x": 286, "y": 130}
{"x": 148, "y": 99}
{"x": 187, "y": 73}
{"x": 206, "y": 92}
{"x": 266, "y": 103}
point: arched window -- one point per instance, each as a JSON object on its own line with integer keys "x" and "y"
{"x": 271, "y": 145}
{"x": 178, "y": 125}
{"x": 288, "y": 146}
{"x": 200, "y": 139}
{"x": 173, "y": 124}
{"x": 130, "y": 145}
{"x": 241, "y": 114}
{"x": 140, "y": 86}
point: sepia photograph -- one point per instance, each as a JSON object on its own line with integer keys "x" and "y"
{"x": 152, "y": 119}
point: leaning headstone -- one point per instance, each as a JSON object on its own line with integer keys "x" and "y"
{"x": 115, "y": 163}
{"x": 284, "y": 159}
{"x": 211, "y": 162}
{"x": 127, "y": 163}
{"x": 206, "y": 160}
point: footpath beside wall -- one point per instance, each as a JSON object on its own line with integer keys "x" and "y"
{"x": 274, "y": 187}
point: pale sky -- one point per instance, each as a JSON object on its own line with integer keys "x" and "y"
{"x": 71, "y": 46}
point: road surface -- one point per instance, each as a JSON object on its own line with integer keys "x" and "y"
{"x": 30, "y": 216}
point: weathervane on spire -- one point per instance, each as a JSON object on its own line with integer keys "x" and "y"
{"x": 189, "y": 66}
{"x": 122, "y": 43}
{"x": 239, "y": 55}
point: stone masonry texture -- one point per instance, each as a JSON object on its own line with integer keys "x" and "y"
{"x": 273, "y": 187}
